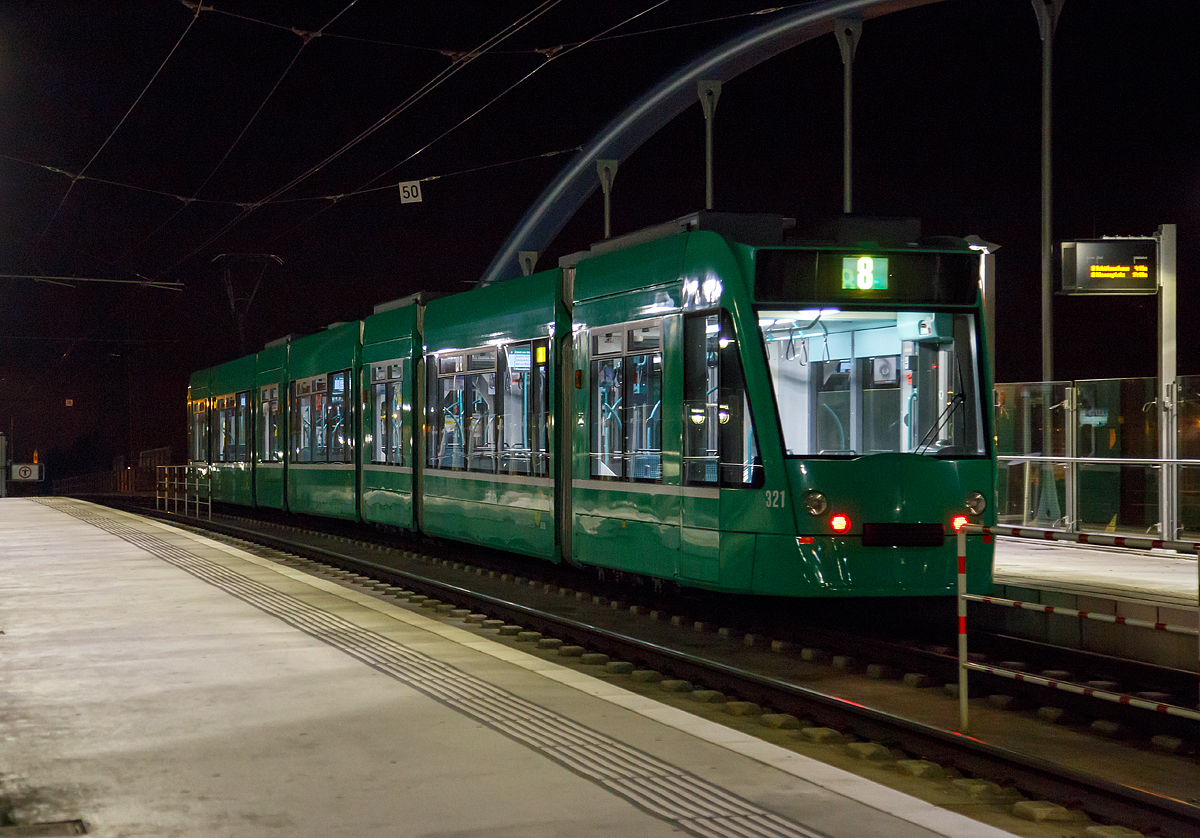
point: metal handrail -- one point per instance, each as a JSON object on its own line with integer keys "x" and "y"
{"x": 1132, "y": 461}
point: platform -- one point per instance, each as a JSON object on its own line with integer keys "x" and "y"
{"x": 161, "y": 683}
{"x": 1159, "y": 586}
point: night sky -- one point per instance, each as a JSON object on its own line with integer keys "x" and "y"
{"x": 233, "y": 148}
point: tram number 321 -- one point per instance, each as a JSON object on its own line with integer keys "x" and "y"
{"x": 775, "y": 499}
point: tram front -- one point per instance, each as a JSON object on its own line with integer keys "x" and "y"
{"x": 876, "y": 364}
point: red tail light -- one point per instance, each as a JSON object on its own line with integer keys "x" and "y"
{"x": 958, "y": 521}
{"x": 839, "y": 523}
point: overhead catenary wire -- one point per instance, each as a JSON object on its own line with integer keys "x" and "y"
{"x": 336, "y": 196}
{"x": 366, "y": 187}
{"x": 305, "y": 39}
{"x": 167, "y": 285}
{"x": 117, "y": 127}
{"x": 458, "y": 60}
{"x": 519, "y": 82}
{"x": 453, "y": 54}
{"x": 409, "y": 101}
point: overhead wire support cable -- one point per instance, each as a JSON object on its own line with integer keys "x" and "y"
{"x": 452, "y": 54}
{"x": 305, "y": 39}
{"x": 117, "y": 127}
{"x": 549, "y": 56}
{"x": 184, "y": 199}
{"x": 409, "y": 101}
{"x": 309, "y": 35}
{"x": 166, "y": 285}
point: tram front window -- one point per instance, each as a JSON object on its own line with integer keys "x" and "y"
{"x": 852, "y": 383}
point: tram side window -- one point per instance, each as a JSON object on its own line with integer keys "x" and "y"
{"x": 268, "y": 424}
{"x": 300, "y": 422}
{"x": 320, "y": 419}
{"x": 447, "y": 420}
{"x": 225, "y": 429}
{"x": 217, "y": 435}
{"x": 482, "y": 429}
{"x": 524, "y": 408}
{"x": 701, "y": 363}
{"x": 626, "y": 402}
{"x": 387, "y": 397}
{"x": 198, "y": 431}
{"x": 337, "y": 417}
{"x": 539, "y": 407}
{"x": 316, "y": 430}
{"x": 489, "y": 409}
{"x": 241, "y": 427}
{"x": 719, "y": 445}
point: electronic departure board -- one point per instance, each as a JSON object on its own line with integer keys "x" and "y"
{"x": 1110, "y": 266}
{"x": 891, "y": 276}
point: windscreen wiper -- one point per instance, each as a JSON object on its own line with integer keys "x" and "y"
{"x": 943, "y": 418}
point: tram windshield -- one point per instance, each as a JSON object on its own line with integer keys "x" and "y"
{"x": 851, "y": 383}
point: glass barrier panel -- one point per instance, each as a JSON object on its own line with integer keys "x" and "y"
{"x": 1118, "y": 417}
{"x": 1188, "y": 442}
{"x": 1118, "y": 499}
{"x": 1031, "y": 494}
{"x": 1031, "y": 419}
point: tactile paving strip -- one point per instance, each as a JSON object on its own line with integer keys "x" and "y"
{"x": 665, "y": 791}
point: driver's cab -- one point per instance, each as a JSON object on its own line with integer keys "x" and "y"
{"x": 855, "y": 382}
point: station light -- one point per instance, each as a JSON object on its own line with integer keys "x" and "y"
{"x": 959, "y": 521}
{"x": 839, "y": 523}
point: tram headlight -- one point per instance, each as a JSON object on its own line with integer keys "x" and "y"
{"x": 976, "y": 502}
{"x": 815, "y": 503}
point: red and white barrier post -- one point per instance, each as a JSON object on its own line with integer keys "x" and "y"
{"x": 1082, "y": 538}
{"x": 962, "y": 630}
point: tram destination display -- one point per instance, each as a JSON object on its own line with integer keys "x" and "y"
{"x": 1110, "y": 266}
{"x": 887, "y": 276}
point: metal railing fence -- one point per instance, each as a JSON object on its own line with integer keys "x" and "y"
{"x": 1105, "y": 455}
{"x": 966, "y": 665}
{"x": 189, "y": 485}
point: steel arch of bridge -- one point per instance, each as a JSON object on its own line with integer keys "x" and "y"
{"x": 559, "y": 201}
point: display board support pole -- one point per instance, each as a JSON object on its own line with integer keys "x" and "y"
{"x": 1047, "y": 14}
{"x": 607, "y": 170}
{"x": 709, "y": 92}
{"x": 1071, "y": 478}
{"x": 1168, "y": 407}
{"x": 848, "y": 31}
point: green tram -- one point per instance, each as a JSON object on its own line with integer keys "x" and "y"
{"x": 703, "y": 402}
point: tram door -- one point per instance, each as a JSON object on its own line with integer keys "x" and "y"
{"x": 720, "y": 452}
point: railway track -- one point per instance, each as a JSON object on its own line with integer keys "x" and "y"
{"x": 715, "y": 659}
